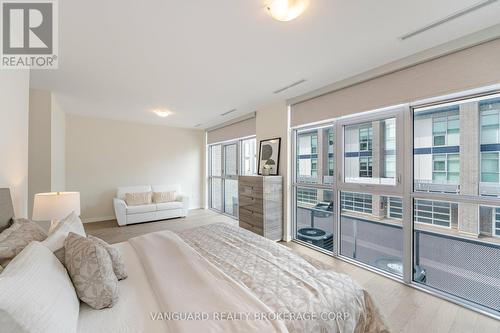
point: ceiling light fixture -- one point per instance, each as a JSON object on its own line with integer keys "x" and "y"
{"x": 162, "y": 112}
{"x": 286, "y": 10}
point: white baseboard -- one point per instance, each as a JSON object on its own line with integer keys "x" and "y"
{"x": 98, "y": 219}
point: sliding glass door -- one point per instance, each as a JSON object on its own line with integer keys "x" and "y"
{"x": 226, "y": 161}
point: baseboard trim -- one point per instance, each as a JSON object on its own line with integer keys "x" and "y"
{"x": 98, "y": 219}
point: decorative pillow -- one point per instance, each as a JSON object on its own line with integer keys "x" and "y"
{"x": 90, "y": 268}
{"x": 19, "y": 235}
{"x": 116, "y": 257}
{"x": 70, "y": 223}
{"x": 160, "y": 197}
{"x": 37, "y": 294}
{"x": 136, "y": 199}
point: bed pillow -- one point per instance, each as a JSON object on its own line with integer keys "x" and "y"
{"x": 116, "y": 258}
{"x": 137, "y": 199}
{"x": 55, "y": 240}
{"x": 91, "y": 270}
{"x": 17, "y": 237}
{"x": 37, "y": 294}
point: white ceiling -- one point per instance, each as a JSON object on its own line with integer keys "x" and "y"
{"x": 120, "y": 58}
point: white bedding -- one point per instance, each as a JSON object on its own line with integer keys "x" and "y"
{"x": 132, "y": 311}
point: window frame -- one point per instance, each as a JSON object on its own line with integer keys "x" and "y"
{"x": 396, "y": 112}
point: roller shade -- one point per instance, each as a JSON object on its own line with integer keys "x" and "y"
{"x": 236, "y": 130}
{"x": 467, "y": 69}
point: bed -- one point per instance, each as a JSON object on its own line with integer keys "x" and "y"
{"x": 212, "y": 278}
{"x": 223, "y": 268}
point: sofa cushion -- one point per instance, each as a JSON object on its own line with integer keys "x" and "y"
{"x": 161, "y": 197}
{"x": 138, "y": 199}
{"x": 169, "y": 205}
{"x": 141, "y": 209}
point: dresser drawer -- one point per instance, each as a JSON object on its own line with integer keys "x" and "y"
{"x": 250, "y": 190}
{"x": 247, "y": 226}
{"x": 251, "y": 203}
{"x": 251, "y": 216}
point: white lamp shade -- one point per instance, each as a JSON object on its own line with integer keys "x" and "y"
{"x": 55, "y": 206}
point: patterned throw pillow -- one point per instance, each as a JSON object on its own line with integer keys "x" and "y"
{"x": 160, "y": 197}
{"x": 18, "y": 236}
{"x": 91, "y": 270}
{"x": 116, "y": 258}
{"x": 136, "y": 199}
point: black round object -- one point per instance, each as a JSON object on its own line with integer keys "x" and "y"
{"x": 312, "y": 232}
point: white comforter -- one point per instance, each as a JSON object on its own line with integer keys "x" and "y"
{"x": 222, "y": 269}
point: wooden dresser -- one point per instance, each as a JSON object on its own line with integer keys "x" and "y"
{"x": 261, "y": 205}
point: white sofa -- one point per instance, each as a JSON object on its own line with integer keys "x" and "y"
{"x": 152, "y": 212}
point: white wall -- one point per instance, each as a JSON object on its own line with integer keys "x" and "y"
{"x": 103, "y": 154}
{"x": 39, "y": 173}
{"x": 272, "y": 122}
{"x": 14, "y": 101}
{"x": 58, "y": 147}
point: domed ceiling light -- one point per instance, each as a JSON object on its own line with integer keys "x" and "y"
{"x": 286, "y": 10}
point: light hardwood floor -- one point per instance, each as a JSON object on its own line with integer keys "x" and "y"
{"x": 405, "y": 309}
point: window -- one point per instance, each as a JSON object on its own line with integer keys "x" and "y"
{"x": 225, "y": 162}
{"x": 435, "y": 212}
{"x": 446, "y": 168}
{"x": 370, "y": 152}
{"x": 365, "y": 166}
{"x": 249, "y": 157}
{"x": 437, "y": 149}
{"x": 307, "y": 153}
{"x": 395, "y": 207}
{"x": 356, "y": 202}
{"x": 489, "y": 220}
{"x": 306, "y": 196}
{"x": 365, "y": 138}
{"x": 314, "y": 197}
{"x": 374, "y": 238}
{"x": 490, "y": 147}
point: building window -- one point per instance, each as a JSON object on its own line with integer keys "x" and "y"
{"x": 445, "y": 128}
{"x": 490, "y": 147}
{"x": 395, "y": 208}
{"x": 489, "y": 167}
{"x": 365, "y": 166}
{"x": 356, "y": 202}
{"x": 446, "y": 168}
{"x": 365, "y": 138}
{"x": 437, "y": 149}
{"x": 331, "y": 157}
{"x": 437, "y": 213}
{"x": 307, "y": 196}
{"x": 496, "y": 223}
{"x": 307, "y": 157}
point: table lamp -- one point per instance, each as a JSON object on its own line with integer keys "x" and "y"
{"x": 55, "y": 206}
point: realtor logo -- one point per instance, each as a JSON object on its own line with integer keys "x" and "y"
{"x": 29, "y": 34}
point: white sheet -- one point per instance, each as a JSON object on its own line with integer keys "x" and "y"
{"x": 185, "y": 282}
{"x": 132, "y": 311}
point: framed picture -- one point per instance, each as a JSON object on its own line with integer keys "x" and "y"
{"x": 269, "y": 157}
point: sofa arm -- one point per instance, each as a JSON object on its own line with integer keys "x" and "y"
{"x": 120, "y": 211}
{"x": 185, "y": 203}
